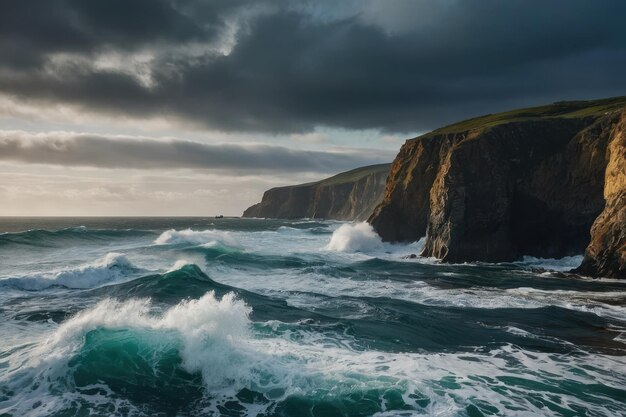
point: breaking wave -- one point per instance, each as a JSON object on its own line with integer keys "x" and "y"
{"x": 110, "y": 268}
{"x": 564, "y": 264}
{"x": 207, "y": 354}
{"x": 207, "y": 238}
{"x": 359, "y": 237}
{"x": 241, "y": 317}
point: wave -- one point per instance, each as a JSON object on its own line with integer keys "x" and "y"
{"x": 203, "y": 336}
{"x": 359, "y": 304}
{"x": 191, "y": 282}
{"x": 207, "y": 238}
{"x": 42, "y": 237}
{"x": 311, "y": 224}
{"x": 447, "y": 286}
{"x": 564, "y": 264}
{"x": 110, "y": 268}
{"x": 295, "y": 231}
{"x": 359, "y": 241}
{"x": 207, "y": 353}
{"x": 352, "y": 330}
{"x": 359, "y": 237}
{"x": 255, "y": 261}
{"x": 362, "y": 238}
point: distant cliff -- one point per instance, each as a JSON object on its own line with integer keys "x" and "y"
{"x": 548, "y": 181}
{"x": 350, "y": 195}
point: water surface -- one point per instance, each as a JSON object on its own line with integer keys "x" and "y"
{"x": 235, "y": 317}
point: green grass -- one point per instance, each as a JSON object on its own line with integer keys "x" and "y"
{"x": 348, "y": 176}
{"x": 355, "y": 174}
{"x": 561, "y": 109}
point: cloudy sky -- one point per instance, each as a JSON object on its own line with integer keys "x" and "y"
{"x": 172, "y": 107}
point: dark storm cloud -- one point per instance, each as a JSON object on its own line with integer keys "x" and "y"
{"x": 395, "y": 65}
{"x": 69, "y": 149}
{"x": 31, "y": 28}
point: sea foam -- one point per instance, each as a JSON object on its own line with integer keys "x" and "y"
{"x": 359, "y": 237}
{"x": 204, "y": 237}
{"x": 207, "y": 327}
{"x": 218, "y": 341}
{"x": 210, "y": 333}
{"x": 566, "y": 263}
{"x": 110, "y": 268}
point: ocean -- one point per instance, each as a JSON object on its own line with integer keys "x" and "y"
{"x": 250, "y": 317}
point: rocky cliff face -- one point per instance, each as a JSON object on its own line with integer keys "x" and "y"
{"x": 606, "y": 254}
{"x": 530, "y": 182}
{"x": 350, "y": 195}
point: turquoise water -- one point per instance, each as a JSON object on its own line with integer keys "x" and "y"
{"x": 237, "y": 317}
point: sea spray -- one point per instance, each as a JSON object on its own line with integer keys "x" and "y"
{"x": 359, "y": 237}
{"x": 566, "y": 263}
{"x": 204, "y": 237}
{"x": 312, "y": 331}
{"x": 110, "y": 268}
{"x": 211, "y": 335}
{"x": 180, "y": 263}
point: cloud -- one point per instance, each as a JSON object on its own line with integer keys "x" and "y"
{"x": 76, "y": 149}
{"x": 311, "y": 137}
{"x": 49, "y": 190}
{"x": 289, "y": 67}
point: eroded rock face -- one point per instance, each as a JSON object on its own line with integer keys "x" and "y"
{"x": 606, "y": 254}
{"x": 507, "y": 193}
{"x": 347, "y": 196}
{"x": 530, "y": 186}
{"x": 403, "y": 214}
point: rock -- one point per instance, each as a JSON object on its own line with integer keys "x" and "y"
{"x": 526, "y": 182}
{"x": 350, "y": 195}
{"x": 403, "y": 214}
{"x": 606, "y": 254}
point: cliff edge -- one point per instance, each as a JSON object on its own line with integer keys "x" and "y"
{"x": 351, "y": 195}
{"x": 547, "y": 181}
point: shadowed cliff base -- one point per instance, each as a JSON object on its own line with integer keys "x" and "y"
{"x": 524, "y": 182}
{"x": 351, "y": 195}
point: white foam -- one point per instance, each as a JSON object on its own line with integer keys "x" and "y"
{"x": 208, "y": 327}
{"x": 179, "y": 264}
{"x": 218, "y": 340}
{"x": 211, "y": 333}
{"x": 566, "y": 263}
{"x": 303, "y": 290}
{"x": 110, "y": 268}
{"x": 359, "y": 237}
{"x": 359, "y": 241}
{"x": 204, "y": 237}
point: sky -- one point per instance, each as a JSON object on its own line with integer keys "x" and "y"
{"x": 172, "y": 107}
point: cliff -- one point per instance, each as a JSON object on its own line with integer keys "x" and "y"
{"x": 606, "y": 254}
{"x": 350, "y": 195}
{"x": 525, "y": 182}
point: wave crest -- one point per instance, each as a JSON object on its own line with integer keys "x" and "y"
{"x": 43, "y": 237}
{"x": 359, "y": 237}
{"x": 564, "y": 264}
{"x": 112, "y": 267}
{"x": 207, "y": 327}
{"x": 208, "y": 238}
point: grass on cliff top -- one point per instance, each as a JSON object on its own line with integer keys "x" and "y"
{"x": 355, "y": 174}
{"x": 349, "y": 176}
{"x": 560, "y": 109}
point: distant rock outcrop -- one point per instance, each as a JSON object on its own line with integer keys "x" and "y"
{"x": 526, "y": 182}
{"x": 350, "y": 195}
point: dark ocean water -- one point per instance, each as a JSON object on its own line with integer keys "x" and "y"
{"x": 237, "y": 317}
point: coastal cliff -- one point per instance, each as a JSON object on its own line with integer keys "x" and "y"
{"x": 350, "y": 195}
{"x": 606, "y": 254}
{"x": 547, "y": 181}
